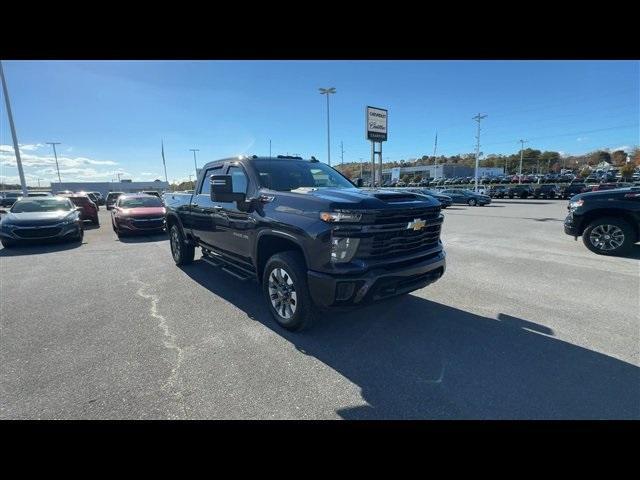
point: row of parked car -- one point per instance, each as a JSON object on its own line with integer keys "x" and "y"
{"x": 550, "y": 191}
{"x": 43, "y": 216}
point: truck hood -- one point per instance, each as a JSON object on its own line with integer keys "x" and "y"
{"x": 356, "y": 198}
{"x": 600, "y": 194}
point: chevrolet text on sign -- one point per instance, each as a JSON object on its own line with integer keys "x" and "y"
{"x": 376, "y": 124}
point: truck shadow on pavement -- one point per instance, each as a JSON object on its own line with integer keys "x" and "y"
{"x": 417, "y": 359}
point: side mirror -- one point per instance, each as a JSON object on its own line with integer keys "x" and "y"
{"x": 222, "y": 190}
{"x": 359, "y": 183}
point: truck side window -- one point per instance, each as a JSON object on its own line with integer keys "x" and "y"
{"x": 205, "y": 189}
{"x": 238, "y": 179}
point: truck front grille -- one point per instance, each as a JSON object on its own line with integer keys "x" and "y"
{"x": 400, "y": 242}
{"x": 406, "y": 215}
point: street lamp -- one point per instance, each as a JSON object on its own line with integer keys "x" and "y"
{"x": 327, "y": 92}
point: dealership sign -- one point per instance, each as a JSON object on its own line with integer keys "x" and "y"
{"x": 376, "y": 124}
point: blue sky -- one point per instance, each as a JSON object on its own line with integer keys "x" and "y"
{"x": 111, "y": 116}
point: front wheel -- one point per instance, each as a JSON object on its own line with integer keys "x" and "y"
{"x": 80, "y": 236}
{"x": 181, "y": 251}
{"x": 472, "y": 202}
{"x": 6, "y": 243}
{"x": 608, "y": 236}
{"x": 284, "y": 284}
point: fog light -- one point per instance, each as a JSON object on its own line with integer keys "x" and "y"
{"x": 343, "y": 249}
{"x": 344, "y": 290}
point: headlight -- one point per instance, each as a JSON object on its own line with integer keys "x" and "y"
{"x": 340, "y": 217}
{"x": 576, "y": 204}
{"x": 70, "y": 219}
{"x": 343, "y": 249}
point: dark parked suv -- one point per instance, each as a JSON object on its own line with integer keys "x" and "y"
{"x": 520, "y": 191}
{"x": 545, "y": 191}
{"x": 568, "y": 191}
{"x": 306, "y": 234}
{"x": 608, "y": 221}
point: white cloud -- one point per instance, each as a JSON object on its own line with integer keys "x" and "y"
{"x": 625, "y": 148}
{"x": 581, "y": 139}
{"x": 8, "y": 158}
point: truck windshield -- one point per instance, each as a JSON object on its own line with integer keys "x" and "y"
{"x": 287, "y": 175}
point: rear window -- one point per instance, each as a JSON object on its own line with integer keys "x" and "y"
{"x": 80, "y": 200}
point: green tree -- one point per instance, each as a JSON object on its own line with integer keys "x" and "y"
{"x": 626, "y": 171}
{"x": 585, "y": 172}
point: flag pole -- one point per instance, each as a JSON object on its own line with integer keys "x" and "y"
{"x": 164, "y": 164}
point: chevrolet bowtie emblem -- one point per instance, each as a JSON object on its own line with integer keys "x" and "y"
{"x": 416, "y": 225}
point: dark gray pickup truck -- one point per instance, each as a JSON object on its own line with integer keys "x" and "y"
{"x": 311, "y": 238}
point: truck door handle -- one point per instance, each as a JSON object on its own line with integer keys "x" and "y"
{"x": 217, "y": 207}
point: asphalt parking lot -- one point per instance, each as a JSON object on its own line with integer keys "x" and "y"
{"x": 525, "y": 324}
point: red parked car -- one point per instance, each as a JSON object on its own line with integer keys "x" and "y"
{"x": 89, "y": 210}
{"x": 138, "y": 213}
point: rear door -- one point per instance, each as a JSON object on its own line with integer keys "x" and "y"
{"x": 203, "y": 211}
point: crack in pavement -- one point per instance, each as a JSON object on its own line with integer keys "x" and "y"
{"x": 169, "y": 341}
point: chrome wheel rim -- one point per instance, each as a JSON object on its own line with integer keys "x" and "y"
{"x": 175, "y": 244}
{"x": 282, "y": 293}
{"x": 607, "y": 237}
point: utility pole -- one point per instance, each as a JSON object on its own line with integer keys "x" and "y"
{"x": 522, "y": 142}
{"x": 342, "y": 153}
{"x": 55, "y": 154}
{"x": 361, "y": 172}
{"x": 478, "y": 118}
{"x": 118, "y": 175}
{"x": 327, "y": 92}
{"x": 435, "y": 149}
{"x": 194, "y": 150}
{"x": 16, "y": 148}
{"x": 38, "y": 183}
{"x": 269, "y": 148}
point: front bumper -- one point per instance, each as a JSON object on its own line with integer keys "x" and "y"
{"x": 65, "y": 232}
{"x": 376, "y": 284}
{"x": 571, "y": 227}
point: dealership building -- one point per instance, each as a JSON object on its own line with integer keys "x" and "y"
{"x": 439, "y": 171}
{"x": 126, "y": 186}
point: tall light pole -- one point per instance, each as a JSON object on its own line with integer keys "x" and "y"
{"x": 55, "y": 154}
{"x": 16, "y": 148}
{"x": 194, "y": 150}
{"x": 327, "y": 92}
{"x": 341, "y": 153}
{"x": 522, "y": 142}
{"x": 269, "y": 148}
{"x": 478, "y": 118}
{"x": 435, "y": 148}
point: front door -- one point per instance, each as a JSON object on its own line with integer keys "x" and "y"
{"x": 237, "y": 226}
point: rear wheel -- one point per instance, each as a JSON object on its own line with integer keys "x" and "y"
{"x": 472, "y": 202}
{"x": 96, "y": 221}
{"x": 608, "y": 236}
{"x": 181, "y": 251}
{"x": 284, "y": 284}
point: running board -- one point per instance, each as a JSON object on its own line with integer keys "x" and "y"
{"x": 233, "y": 270}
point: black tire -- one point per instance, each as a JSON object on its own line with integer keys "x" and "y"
{"x": 620, "y": 233}
{"x": 182, "y": 252}
{"x": 96, "y": 221}
{"x": 80, "y": 236}
{"x": 472, "y": 202}
{"x": 293, "y": 275}
{"x": 6, "y": 243}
